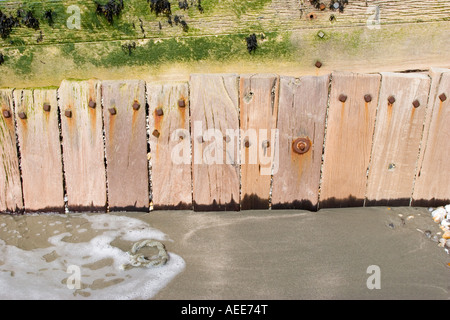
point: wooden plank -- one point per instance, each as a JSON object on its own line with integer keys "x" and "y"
{"x": 397, "y": 138}
{"x": 432, "y": 186}
{"x": 170, "y": 145}
{"x": 83, "y": 152}
{"x": 10, "y": 185}
{"x": 126, "y": 145}
{"x": 215, "y": 168}
{"x": 258, "y": 121}
{"x": 348, "y": 139}
{"x": 40, "y": 149}
{"x": 302, "y": 111}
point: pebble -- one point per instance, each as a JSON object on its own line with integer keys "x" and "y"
{"x": 439, "y": 214}
{"x": 427, "y": 234}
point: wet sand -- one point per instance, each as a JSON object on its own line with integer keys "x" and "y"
{"x": 250, "y": 254}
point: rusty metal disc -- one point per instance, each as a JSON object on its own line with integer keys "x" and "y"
{"x": 301, "y": 145}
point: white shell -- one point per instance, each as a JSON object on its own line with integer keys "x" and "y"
{"x": 439, "y": 214}
{"x": 447, "y": 208}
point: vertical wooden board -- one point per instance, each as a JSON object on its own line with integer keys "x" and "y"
{"x": 215, "y": 163}
{"x": 348, "y": 140}
{"x": 126, "y": 145}
{"x": 83, "y": 152}
{"x": 10, "y": 185}
{"x": 40, "y": 149}
{"x": 397, "y": 136}
{"x": 258, "y": 121}
{"x": 170, "y": 146}
{"x": 432, "y": 187}
{"x": 302, "y": 111}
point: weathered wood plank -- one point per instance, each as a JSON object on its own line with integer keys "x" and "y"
{"x": 124, "y": 105}
{"x": 10, "y": 185}
{"x": 302, "y": 111}
{"x": 432, "y": 187}
{"x": 83, "y": 149}
{"x": 40, "y": 149}
{"x": 397, "y": 138}
{"x": 214, "y": 115}
{"x": 170, "y": 145}
{"x": 258, "y": 121}
{"x": 348, "y": 140}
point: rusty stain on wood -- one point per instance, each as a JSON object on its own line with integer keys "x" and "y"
{"x": 40, "y": 151}
{"x": 302, "y": 110}
{"x": 170, "y": 156}
{"x": 83, "y": 146}
{"x": 348, "y": 140}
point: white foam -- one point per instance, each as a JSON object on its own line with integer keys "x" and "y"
{"x": 42, "y": 273}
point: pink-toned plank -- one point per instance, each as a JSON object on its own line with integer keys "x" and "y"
{"x": 348, "y": 141}
{"x": 126, "y": 145}
{"x": 258, "y": 115}
{"x": 170, "y": 145}
{"x": 10, "y": 186}
{"x": 215, "y": 167}
{"x": 432, "y": 187}
{"x": 397, "y": 136}
{"x": 40, "y": 149}
{"x": 83, "y": 154}
{"x": 302, "y": 111}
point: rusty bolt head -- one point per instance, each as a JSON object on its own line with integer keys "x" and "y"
{"x": 46, "y": 107}
{"x": 159, "y": 112}
{"x": 265, "y": 144}
{"x": 156, "y": 133}
{"x": 22, "y": 115}
{"x": 301, "y": 145}
{"x": 181, "y": 103}
{"x": 112, "y": 111}
{"x": 443, "y": 97}
{"x": 322, "y": 6}
{"x": 391, "y": 99}
{"x": 318, "y": 64}
{"x": 92, "y": 104}
{"x": 136, "y": 105}
{"x": 368, "y": 98}
{"x": 6, "y": 113}
{"x": 342, "y": 98}
{"x": 416, "y": 103}
{"x": 68, "y": 113}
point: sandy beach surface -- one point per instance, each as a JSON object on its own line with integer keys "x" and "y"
{"x": 330, "y": 254}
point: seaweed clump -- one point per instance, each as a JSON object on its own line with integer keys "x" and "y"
{"x": 160, "y": 7}
{"x": 252, "y": 43}
{"x": 6, "y": 24}
{"x": 111, "y": 9}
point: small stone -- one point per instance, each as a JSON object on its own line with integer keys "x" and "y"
{"x": 446, "y": 235}
{"x": 427, "y": 234}
{"x": 435, "y": 238}
{"x": 391, "y": 225}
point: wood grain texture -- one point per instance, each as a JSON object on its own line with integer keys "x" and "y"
{"x": 348, "y": 139}
{"x": 83, "y": 149}
{"x": 258, "y": 121}
{"x": 40, "y": 150}
{"x": 302, "y": 112}
{"x": 215, "y": 168}
{"x": 170, "y": 148}
{"x": 10, "y": 185}
{"x": 431, "y": 185}
{"x": 397, "y": 136}
{"x": 126, "y": 145}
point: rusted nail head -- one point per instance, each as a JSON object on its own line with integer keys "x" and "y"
{"x": 6, "y": 113}
{"x": 46, "y": 107}
{"x": 181, "y": 103}
{"x": 22, "y": 115}
{"x": 92, "y": 104}
{"x": 443, "y": 97}
{"x": 342, "y": 98}
{"x": 368, "y": 98}
{"x": 156, "y": 133}
{"x": 391, "y": 99}
{"x": 416, "y": 103}
{"x": 301, "y": 145}
{"x": 159, "y": 112}
{"x": 112, "y": 111}
{"x": 318, "y": 64}
{"x": 322, "y": 6}
{"x": 136, "y": 105}
{"x": 68, "y": 113}
{"x": 266, "y": 144}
